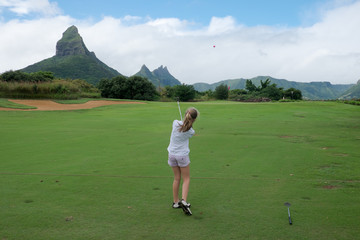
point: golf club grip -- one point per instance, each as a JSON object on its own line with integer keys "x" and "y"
{"x": 290, "y": 220}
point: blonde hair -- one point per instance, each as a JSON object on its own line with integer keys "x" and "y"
{"x": 190, "y": 117}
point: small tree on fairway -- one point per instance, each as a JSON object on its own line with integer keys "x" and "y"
{"x": 117, "y": 88}
{"x": 222, "y": 92}
{"x": 169, "y": 92}
{"x": 105, "y": 87}
{"x": 272, "y": 92}
{"x": 134, "y": 87}
{"x": 184, "y": 92}
{"x": 293, "y": 93}
{"x": 140, "y": 88}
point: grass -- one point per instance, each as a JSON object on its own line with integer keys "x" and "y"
{"x": 84, "y": 100}
{"x": 8, "y": 104}
{"x": 102, "y": 173}
{"x": 75, "y": 101}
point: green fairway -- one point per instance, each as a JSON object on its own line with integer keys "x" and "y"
{"x": 102, "y": 173}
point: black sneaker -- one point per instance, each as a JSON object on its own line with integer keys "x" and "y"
{"x": 185, "y": 207}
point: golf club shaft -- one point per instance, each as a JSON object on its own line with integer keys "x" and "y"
{"x": 289, "y": 217}
{"x": 179, "y": 109}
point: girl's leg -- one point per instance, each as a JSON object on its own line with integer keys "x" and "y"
{"x": 176, "y": 183}
{"x": 185, "y": 173}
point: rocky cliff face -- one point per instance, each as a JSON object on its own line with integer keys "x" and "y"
{"x": 161, "y": 71}
{"x": 71, "y": 43}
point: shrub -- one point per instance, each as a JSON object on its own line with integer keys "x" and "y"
{"x": 221, "y": 92}
{"x": 122, "y": 87}
{"x": 293, "y": 93}
{"x": 237, "y": 94}
{"x": 353, "y": 102}
{"x": 272, "y": 92}
{"x": 184, "y": 92}
{"x": 19, "y": 76}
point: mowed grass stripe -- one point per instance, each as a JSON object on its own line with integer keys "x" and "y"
{"x": 247, "y": 160}
{"x": 192, "y": 177}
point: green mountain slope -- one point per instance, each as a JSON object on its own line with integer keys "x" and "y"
{"x": 313, "y": 90}
{"x": 353, "y": 92}
{"x": 74, "y": 61}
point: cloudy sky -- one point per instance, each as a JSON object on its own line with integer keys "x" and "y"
{"x": 198, "y": 40}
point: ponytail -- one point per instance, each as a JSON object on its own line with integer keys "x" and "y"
{"x": 190, "y": 117}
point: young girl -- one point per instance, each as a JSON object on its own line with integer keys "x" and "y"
{"x": 179, "y": 157}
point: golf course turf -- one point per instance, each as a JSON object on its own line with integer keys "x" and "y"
{"x": 102, "y": 173}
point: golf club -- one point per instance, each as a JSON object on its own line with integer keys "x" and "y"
{"x": 288, "y": 205}
{"x": 179, "y": 108}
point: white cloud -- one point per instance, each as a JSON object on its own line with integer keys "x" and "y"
{"x": 25, "y": 42}
{"x": 21, "y": 7}
{"x": 325, "y": 51}
{"x": 221, "y": 25}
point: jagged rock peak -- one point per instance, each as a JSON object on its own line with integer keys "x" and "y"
{"x": 144, "y": 67}
{"x": 71, "y": 43}
{"x": 161, "y": 69}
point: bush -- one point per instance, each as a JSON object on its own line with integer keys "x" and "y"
{"x": 184, "y": 92}
{"x": 122, "y": 87}
{"x": 237, "y": 94}
{"x": 292, "y": 93}
{"x": 18, "y": 76}
{"x": 221, "y": 92}
{"x": 272, "y": 92}
{"x": 353, "y": 102}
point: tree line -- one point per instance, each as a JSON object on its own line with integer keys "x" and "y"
{"x": 122, "y": 87}
{"x": 135, "y": 87}
{"x": 19, "y": 76}
{"x": 264, "y": 92}
{"x": 140, "y": 88}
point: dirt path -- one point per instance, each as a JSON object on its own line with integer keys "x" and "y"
{"x": 48, "y": 105}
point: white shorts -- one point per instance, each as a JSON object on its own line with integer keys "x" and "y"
{"x": 178, "y": 161}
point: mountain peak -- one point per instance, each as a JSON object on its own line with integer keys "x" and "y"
{"x": 74, "y": 61}
{"x": 144, "y": 67}
{"x": 161, "y": 71}
{"x": 145, "y": 72}
{"x": 71, "y": 43}
{"x": 159, "y": 77}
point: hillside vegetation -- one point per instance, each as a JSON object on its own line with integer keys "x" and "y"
{"x": 352, "y": 93}
{"x": 313, "y": 90}
{"x": 17, "y": 84}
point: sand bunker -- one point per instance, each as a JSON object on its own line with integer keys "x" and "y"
{"x": 48, "y": 105}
